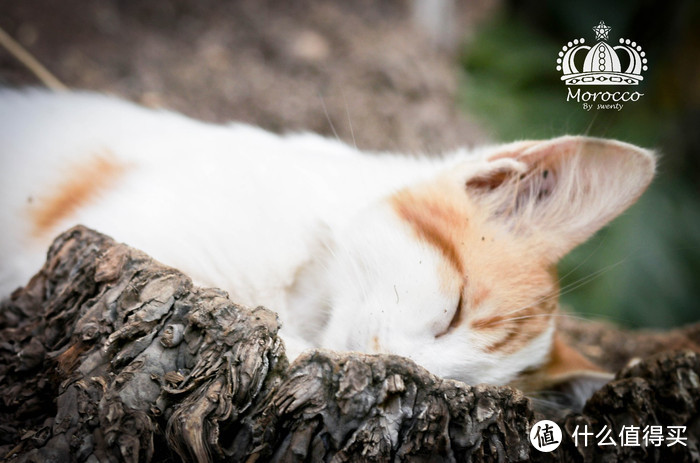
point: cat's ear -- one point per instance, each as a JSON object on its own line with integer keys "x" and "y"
{"x": 566, "y": 381}
{"x": 560, "y": 191}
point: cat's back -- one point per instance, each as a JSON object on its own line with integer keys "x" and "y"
{"x": 230, "y": 205}
{"x": 46, "y": 135}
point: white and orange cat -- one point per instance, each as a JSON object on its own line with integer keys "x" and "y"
{"x": 449, "y": 261}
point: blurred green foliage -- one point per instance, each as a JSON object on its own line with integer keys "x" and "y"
{"x": 644, "y": 269}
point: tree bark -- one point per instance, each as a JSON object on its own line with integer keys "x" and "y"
{"x": 107, "y": 355}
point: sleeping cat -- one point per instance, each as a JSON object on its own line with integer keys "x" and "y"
{"x": 449, "y": 261}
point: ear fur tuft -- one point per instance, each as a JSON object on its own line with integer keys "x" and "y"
{"x": 561, "y": 191}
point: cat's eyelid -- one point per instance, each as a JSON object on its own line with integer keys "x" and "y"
{"x": 456, "y": 318}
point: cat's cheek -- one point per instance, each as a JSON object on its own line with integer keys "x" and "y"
{"x": 462, "y": 356}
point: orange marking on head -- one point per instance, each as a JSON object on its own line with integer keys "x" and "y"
{"x": 517, "y": 336}
{"x": 84, "y": 183}
{"x": 520, "y": 328}
{"x": 436, "y": 219}
{"x": 479, "y": 296}
{"x": 488, "y": 322}
{"x": 509, "y": 341}
{"x": 500, "y": 275}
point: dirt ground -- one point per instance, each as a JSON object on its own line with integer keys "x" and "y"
{"x": 363, "y": 70}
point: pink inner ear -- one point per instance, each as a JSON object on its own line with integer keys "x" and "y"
{"x": 489, "y": 180}
{"x": 559, "y": 192}
{"x": 525, "y": 151}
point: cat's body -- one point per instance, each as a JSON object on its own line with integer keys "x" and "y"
{"x": 446, "y": 260}
{"x": 179, "y": 189}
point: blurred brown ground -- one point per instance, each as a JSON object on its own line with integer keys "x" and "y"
{"x": 362, "y": 69}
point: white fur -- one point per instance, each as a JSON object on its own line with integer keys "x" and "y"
{"x": 298, "y": 223}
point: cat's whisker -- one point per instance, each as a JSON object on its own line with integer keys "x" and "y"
{"x": 328, "y": 117}
{"x": 573, "y": 285}
{"x": 580, "y": 264}
{"x": 568, "y": 288}
{"x": 544, "y": 315}
{"x": 347, "y": 112}
{"x": 583, "y": 281}
{"x": 590, "y": 124}
{"x": 549, "y": 404}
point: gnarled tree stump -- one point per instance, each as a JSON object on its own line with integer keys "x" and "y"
{"x": 107, "y": 355}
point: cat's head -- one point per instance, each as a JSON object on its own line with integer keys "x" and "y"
{"x": 459, "y": 272}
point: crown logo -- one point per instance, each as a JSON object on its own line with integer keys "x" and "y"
{"x": 602, "y": 64}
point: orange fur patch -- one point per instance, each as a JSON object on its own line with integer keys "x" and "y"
{"x": 376, "y": 346}
{"x": 82, "y": 185}
{"x": 508, "y": 289}
{"x": 564, "y": 363}
{"x": 478, "y": 295}
{"x": 520, "y": 328}
{"x": 435, "y": 219}
{"x": 565, "y": 360}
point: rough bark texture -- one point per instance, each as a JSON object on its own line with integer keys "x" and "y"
{"x": 107, "y": 355}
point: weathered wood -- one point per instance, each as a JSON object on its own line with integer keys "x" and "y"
{"x": 107, "y": 355}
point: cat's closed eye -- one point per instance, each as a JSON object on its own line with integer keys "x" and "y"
{"x": 456, "y": 319}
